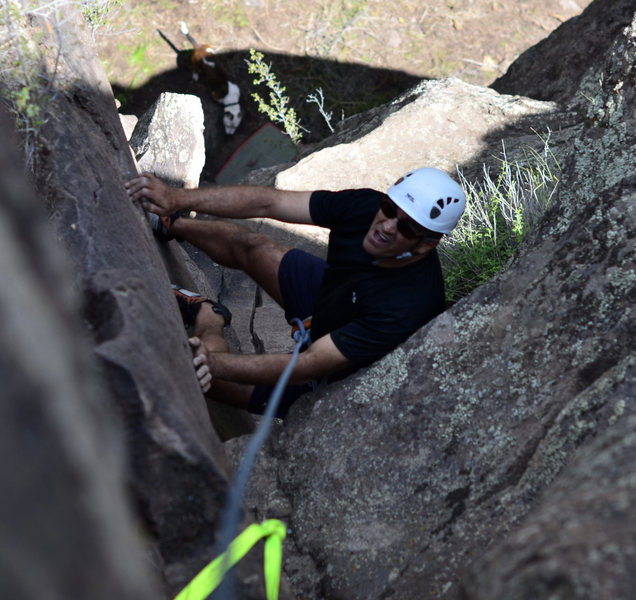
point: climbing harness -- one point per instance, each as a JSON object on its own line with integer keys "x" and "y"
{"x": 300, "y": 327}
{"x": 232, "y": 551}
{"x": 211, "y": 576}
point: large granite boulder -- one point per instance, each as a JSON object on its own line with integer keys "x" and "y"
{"x": 395, "y": 480}
{"x": 439, "y": 123}
{"x": 176, "y": 467}
{"x": 67, "y": 528}
{"x": 581, "y": 540}
{"x": 168, "y": 139}
{"x": 554, "y": 68}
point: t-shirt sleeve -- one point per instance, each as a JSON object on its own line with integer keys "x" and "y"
{"x": 345, "y": 208}
{"x": 322, "y": 206}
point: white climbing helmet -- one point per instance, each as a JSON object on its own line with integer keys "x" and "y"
{"x": 430, "y": 197}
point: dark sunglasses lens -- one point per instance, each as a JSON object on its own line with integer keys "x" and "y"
{"x": 388, "y": 208}
{"x": 405, "y": 229}
{"x": 405, "y": 226}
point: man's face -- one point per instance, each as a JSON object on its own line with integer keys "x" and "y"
{"x": 392, "y": 232}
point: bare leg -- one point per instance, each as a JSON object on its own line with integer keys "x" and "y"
{"x": 235, "y": 246}
{"x": 238, "y": 247}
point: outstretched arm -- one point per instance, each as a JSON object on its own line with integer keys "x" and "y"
{"x": 322, "y": 358}
{"x": 234, "y": 201}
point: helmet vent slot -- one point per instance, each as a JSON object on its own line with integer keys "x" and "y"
{"x": 435, "y": 212}
{"x": 440, "y": 203}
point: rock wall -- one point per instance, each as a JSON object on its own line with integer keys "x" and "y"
{"x": 452, "y": 438}
{"x": 67, "y": 530}
{"x": 554, "y": 69}
{"x": 397, "y": 479}
{"x": 580, "y": 540}
{"x": 175, "y": 464}
{"x": 472, "y": 452}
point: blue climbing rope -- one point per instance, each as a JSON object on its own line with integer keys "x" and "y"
{"x": 237, "y": 489}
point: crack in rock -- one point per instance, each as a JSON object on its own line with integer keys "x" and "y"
{"x": 259, "y": 346}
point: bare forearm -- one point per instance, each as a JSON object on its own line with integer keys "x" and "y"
{"x": 263, "y": 369}
{"x": 237, "y": 202}
{"x": 322, "y": 358}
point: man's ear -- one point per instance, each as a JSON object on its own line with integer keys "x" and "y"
{"x": 425, "y": 246}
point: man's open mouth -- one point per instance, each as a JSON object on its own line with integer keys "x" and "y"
{"x": 381, "y": 237}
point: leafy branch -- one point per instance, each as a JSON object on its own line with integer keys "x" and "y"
{"x": 277, "y": 109}
{"x": 319, "y": 100}
{"x": 28, "y": 72}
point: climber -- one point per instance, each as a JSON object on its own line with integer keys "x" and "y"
{"x": 381, "y": 280}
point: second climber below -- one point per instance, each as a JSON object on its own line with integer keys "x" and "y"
{"x": 381, "y": 281}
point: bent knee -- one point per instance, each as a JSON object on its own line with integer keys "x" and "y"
{"x": 262, "y": 253}
{"x": 259, "y": 242}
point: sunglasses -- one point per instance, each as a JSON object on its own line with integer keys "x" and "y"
{"x": 405, "y": 225}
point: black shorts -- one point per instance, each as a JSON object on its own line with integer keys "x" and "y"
{"x": 299, "y": 276}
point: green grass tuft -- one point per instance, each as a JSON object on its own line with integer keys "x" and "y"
{"x": 500, "y": 211}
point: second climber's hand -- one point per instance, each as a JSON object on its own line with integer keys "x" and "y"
{"x": 200, "y": 364}
{"x": 153, "y": 194}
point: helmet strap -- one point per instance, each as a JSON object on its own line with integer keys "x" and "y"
{"x": 410, "y": 253}
{"x": 406, "y": 255}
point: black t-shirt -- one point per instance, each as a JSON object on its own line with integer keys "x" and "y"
{"x": 367, "y": 309}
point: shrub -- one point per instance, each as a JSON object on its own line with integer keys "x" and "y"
{"x": 27, "y": 69}
{"x": 500, "y": 210}
{"x": 98, "y": 12}
{"x": 277, "y": 109}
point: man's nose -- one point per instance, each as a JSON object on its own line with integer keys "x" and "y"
{"x": 390, "y": 225}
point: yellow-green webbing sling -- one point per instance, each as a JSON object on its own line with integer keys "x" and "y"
{"x": 211, "y": 576}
